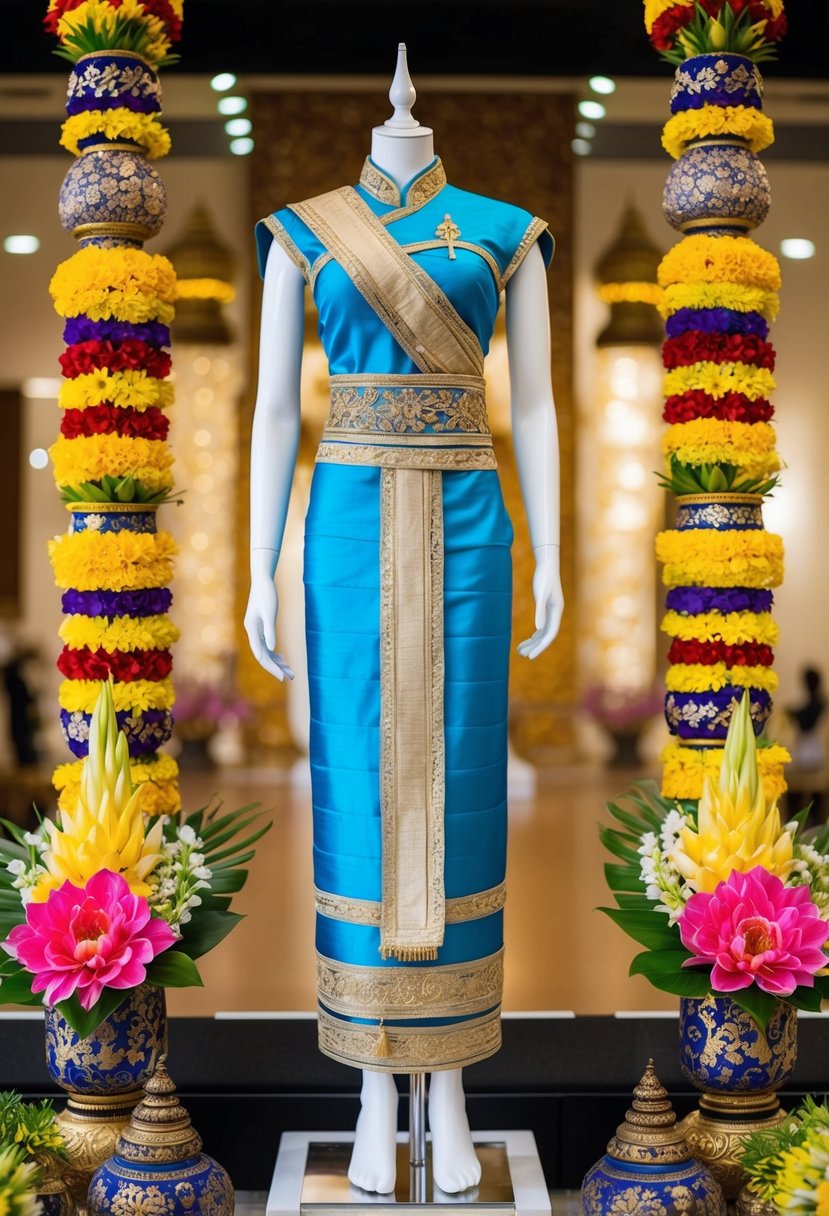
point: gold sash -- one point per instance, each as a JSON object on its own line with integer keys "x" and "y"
{"x": 408, "y": 302}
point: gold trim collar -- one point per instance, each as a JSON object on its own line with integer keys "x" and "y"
{"x": 423, "y": 186}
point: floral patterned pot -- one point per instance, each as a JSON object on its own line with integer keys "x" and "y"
{"x": 112, "y": 517}
{"x": 104, "y": 80}
{"x": 717, "y": 79}
{"x": 111, "y": 194}
{"x": 719, "y": 512}
{"x": 718, "y": 186}
{"x": 703, "y": 717}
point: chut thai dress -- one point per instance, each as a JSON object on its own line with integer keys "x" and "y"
{"x": 408, "y": 586}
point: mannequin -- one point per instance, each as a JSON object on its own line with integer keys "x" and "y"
{"x": 401, "y": 149}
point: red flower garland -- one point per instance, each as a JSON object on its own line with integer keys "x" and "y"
{"x": 749, "y": 654}
{"x": 696, "y": 346}
{"x": 154, "y": 8}
{"x": 668, "y": 24}
{"x": 86, "y": 664}
{"x": 129, "y": 355}
{"x": 733, "y": 407}
{"x": 106, "y": 419}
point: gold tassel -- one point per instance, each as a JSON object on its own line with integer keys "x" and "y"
{"x": 410, "y": 954}
{"x": 383, "y": 1043}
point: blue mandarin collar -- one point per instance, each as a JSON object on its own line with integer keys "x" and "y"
{"x": 420, "y": 189}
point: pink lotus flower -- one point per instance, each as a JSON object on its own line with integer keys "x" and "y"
{"x": 755, "y": 931}
{"x": 88, "y": 939}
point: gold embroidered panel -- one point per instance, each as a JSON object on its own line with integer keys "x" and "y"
{"x": 410, "y": 1048}
{"x": 456, "y": 990}
{"x": 408, "y": 409}
{"x": 367, "y": 912}
{"x": 406, "y": 457}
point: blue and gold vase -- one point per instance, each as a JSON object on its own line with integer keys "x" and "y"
{"x": 718, "y": 186}
{"x": 158, "y": 1165}
{"x": 739, "y": 1068}
{"x": 648, "y": 1168}
{"x": 103, "y": 1075}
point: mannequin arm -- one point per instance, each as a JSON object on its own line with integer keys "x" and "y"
{"x": 535, "y": 439}
{"x": 276, "y": 423}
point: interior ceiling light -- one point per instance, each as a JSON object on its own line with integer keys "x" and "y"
{"x": 602, "y": 84}
{"x": 232, "y": 105}
{"x": 238, "y": 126}
{"x": 241, "y": 147}
{"x": 585, "y": 130}
{"x": 223, "y": 82}
{"x": 38, "y": 458}
{"x": 581, "y": 147}
{"x": 592, "y": 109}
{"x": 21, "y": 243}
{"x": 797, "y": 247}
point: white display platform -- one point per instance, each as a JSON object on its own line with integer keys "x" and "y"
{"x": 310, "y": 1178}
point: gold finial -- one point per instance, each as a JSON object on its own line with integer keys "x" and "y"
{"x": 448, "y": 231}
{"x": 159, "y": 1130}
{"x": 649, "y": 1134}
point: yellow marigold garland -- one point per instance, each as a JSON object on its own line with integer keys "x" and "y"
{"x": 119, "y": 633}
{"x": 718, "y": 379}
{"x": 104, "y": 17}
{"x": 157, "y": 778}
{"x": 704, "y": 558}
{"x": 112, "y": 561}
{"x": 206, "y": 289}
{"x": 720, "y": 259}
{"x": 685, "y": 769}
{"x": 118, "y": 123}
{"x": 134, "y": 389}
{"x": 125, "y": 284}
{"x": 719, "y": 295}
{"x": 733, "y": 628}
{"x": 752, "y": 125}
{"x": 630, "y": 293}
{"x": 749, "y": 445}
{"x": 80, "y": 696}
{"x": 91, "y": 457}
{"x": 705, "y": 677}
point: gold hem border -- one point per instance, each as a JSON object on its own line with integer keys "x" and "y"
{"x": 451, "y": 459}
{"x": 459, "y": 910}
{"x": 535, "y": 228}
{"x": 424, "y": 439}
{"x": 281, "y": 235}
{"x": 411, "y": 1049}
{"x": 406, "y": 380}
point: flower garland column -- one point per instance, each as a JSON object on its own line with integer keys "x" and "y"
{"x": 112, "y": 462}
{"x": 719, "y": 297}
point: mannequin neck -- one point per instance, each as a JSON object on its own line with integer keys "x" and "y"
{"x": 402, "y": 156}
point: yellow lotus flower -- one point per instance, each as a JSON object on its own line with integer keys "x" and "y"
{"x": 736, "y": 829}
{"x": 105, "y": 831}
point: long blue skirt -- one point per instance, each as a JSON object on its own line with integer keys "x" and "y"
{"x": 379, "y": 1013}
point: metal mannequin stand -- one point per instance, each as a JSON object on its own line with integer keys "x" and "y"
{"x": 311, "y": 1173}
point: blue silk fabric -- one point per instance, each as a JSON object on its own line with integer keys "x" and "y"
{"x": 342, "y": 589}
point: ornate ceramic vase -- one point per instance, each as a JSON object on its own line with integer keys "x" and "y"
{"x": 158, "y": 1165}
{"x": 106, "y": 80}
{"x": 53, "y": 1192}
{"x": 719, "y": 512}
{"x": 111, "y": 193}
{"x": 751, "y": 1205}
{"x": 738, "y": 1067}
{"x": 103, "y": 1076}
{"x": 718, "y": 186}
{"x": 648, "y": 1168}
{"x": 717, "y": 79}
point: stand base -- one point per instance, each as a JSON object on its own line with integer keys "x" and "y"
{"x": 311, "y": 1179}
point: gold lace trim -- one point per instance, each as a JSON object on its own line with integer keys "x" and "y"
{"x": 420, "y": 439}
{"x": 376, "y": 183}
{"x": 456, "y": 458}
{"x": 391, "y": 993}
{"x": 407, "y": 301}
{"x": 410, "y": 1048}
{"x": 280, "y": 233}
{"x": 403, "y": 410}
{"x": 367, "y": 911}
{"x": 533, "y": 232}
{"x": 420, "y": 247}
{"x": 412, "y": 770}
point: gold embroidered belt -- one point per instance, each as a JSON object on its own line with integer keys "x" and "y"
{"x": 418, "y": 421}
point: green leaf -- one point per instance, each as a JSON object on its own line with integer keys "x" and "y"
{"x": 761, "y": 1005}
{"x": 663, "y": 968}
{"x": 213, "y": 842}
{"x": 614, "y": 842}
{"x": 227, "y": 882}
{"x": 648, "y": 928}
{"x": 623, "y": 878}
{"x": 809, "y": 999}
{"x": 85, "y": 1021}
{"x": 206, "y": 930}
{"x": 174, "y": 969}
{"x": 16, "y": 989}
{"x": 638, "y": 824}
{"x": 633, "y": 901}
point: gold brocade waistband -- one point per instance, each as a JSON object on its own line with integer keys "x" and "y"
{"x": 408, "y": 421}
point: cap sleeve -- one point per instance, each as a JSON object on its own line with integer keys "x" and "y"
{"x": 291, "y": 234}
{"x": 534, "y": 231}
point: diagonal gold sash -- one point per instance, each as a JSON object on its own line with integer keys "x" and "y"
{"x": 408, "y": 302}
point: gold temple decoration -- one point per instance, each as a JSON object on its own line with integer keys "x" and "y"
{"x": 626, "y": 278}
{"x": 448, "y": 231}
{"x": 650, "y": 1132}
{"x": 160, "y": 1130}
{"x": 205, "y": 269}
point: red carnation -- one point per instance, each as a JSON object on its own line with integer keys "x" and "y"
{"x": 86, "y": 664}
{"x": 747, "y": 654}
{"x": 696, "y": 346}
{"x": 154, "y": 8}
{"x": 105, "y": 419}
{"x": 129, "y": 355}
{"x": 668, "y": 23}
{"x": 733, "y": 407}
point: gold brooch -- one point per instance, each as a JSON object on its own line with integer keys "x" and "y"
{"x": 448, "y": 231}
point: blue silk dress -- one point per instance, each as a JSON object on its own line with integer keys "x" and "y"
{"x": 384, "y": 1005}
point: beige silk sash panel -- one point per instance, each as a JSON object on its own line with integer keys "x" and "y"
{"x": 412, "y": 769}
{"x": 408, "y": 302}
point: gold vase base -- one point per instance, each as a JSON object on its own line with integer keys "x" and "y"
{"x": 91, "y": 1125}
{"x": 715, "y": 1132}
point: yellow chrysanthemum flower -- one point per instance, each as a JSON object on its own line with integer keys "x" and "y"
{"x": 112, "y": 561}
{"x": 736, "y": 829}
{"x": 685, "y": 770}
{"x": 105, "y": 829}
{"x": 719, "y": 295}
{"x": 720, "y": 259}
{"x": 733, "y": 628}
{"x": 118, "y": 123}
{"x": 91, "y": 457}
